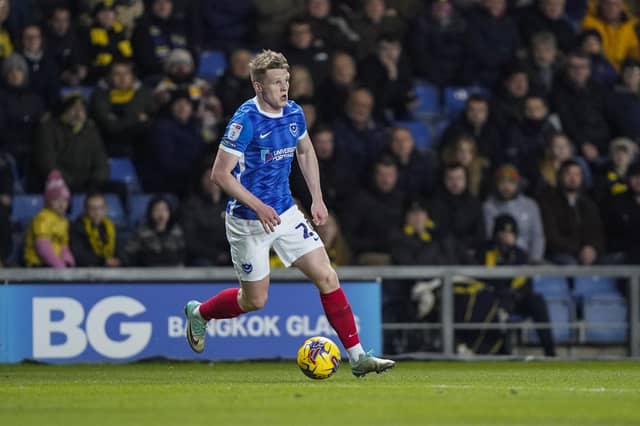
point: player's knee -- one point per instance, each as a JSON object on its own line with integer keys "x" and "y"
{"x": 254, "y": 302}
{"x": 328, "y": 280}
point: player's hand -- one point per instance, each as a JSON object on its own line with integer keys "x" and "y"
{"x": 268, "y": 218}
{"x": 319, "y": 213}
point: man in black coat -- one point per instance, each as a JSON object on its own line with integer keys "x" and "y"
{"x": 547, "y": 15}
{"x": 623, "y": 220}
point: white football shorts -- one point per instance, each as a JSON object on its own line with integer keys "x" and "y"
{"x": 250, "y": 244}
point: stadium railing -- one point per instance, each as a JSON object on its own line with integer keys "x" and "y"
{"x": 447, "y": 274}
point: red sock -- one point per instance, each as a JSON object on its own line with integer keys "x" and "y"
{"x": 222, "y": 305}
{"x": 338, "y": 312}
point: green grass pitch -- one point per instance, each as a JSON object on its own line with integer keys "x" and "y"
{"x": 267, "y": 393}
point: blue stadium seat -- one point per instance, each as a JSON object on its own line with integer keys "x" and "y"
{"x": 428, "y": 99}
{"x": 561, "y": 311}
{"x": 138, "y": 209}
{"x": 121, "y": 169}
{"x": 18, "y": 180}
{"x": 84, "y": 91}
{"x": 455, "y": 98}
{"x": 420, "y": 132}
{"x": 115, "y": 210}
{"x": 213, "y": 63}
{"x": 551, "y": 286}
{"x": 25, "y": 207}
{"x": 591, "y": 286}
{"x": 600, "y": 309}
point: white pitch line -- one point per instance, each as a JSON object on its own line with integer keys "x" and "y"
{"x": 522, "y": 389}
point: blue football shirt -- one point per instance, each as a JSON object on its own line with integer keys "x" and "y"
{"x": 265, "y": 145}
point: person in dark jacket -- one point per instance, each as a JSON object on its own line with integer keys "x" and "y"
{"x": 303, "y": 48}
{"x": 611, "y": 179}
{"x": 625, "y": 102}
{"x": 228, "y": 25}
{"x": 122, "y": 108}
{"x": 333, "y": 30}
{"x": 507, "y": 107}
{"x": 234, "y": 87}
{"x": 173, "y": 145}
{"x": 493, "y": 40}
{"x": 437, "y": 44}
{"x": 374, "y": 19}
{"x": 572, "y": 224}
{"x": 6, "y": 199}
{"x": 202, "y": 219}
{"x": 94, "y": 239}
{"x": 458, "y": 213}
{"x": 44, "y": 76}
{"x": 20, "y": 111}
{"x": 155, "y": 35}
{"x": 71, "y": 143}
{"x": 63, "y": 44}
{"x": 160, "y": 242}
{"x": 543, "y": 63}
{"x": 547, "y": 15}
{"x": 623, "y": 221}
{"x": 602, "y": 72}
{"x": 373, "y": 214}
{"x": 340, "y": 83}
{"x": 582, "y": 108}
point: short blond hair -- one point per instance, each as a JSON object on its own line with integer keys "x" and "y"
{"x": 266, "y": 60}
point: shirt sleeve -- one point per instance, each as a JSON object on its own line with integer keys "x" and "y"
{"x": 302, "y": 124}
{"x": 238, "y": 134}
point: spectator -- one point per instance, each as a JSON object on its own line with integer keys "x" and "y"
{"x": 6, "y": 199}
{"x": 337, "y": 180}
{"x": 508, "y": 102}
{"x": 458, "y": 213}
{"x": 418, "y": 241}
{"x": 106, "y": 40}
{"x": 333, "y": 31}
{"x": 543, "y": 63}
{"x": 228, "y": 25}
{"x": 6, "y": 47}
{"x": 559, "y": 149}
{"x": 492, "y": 41}
{"x": 359, "y": 134}
{"x": 65, "y": 48}
{"x": 202, "y": 219}
{"x": 388, "y": 75}
{"x": 373, "y": 214}
{"x": 373, "y": 20}
{"x": 617, "y": 29}
{"x": 612, "y": 178}
{"x": 272, "y": 18}
{"x": 303, "y": 48}
{"x": 155, "y": 35}
{"x": 547, "y": 15}
{"x": 122, "y": 108}
{"x": 20, "y": 111}
{"x": 527, "y": 139}
{"x": 581, "y": 106}
{"x": 47, "y": 241}
{"x": 309, "y": 110}
{"x": 234, "y": 87}
{"x": 94, "y": 239}
{"x": 625, "y": 102}
{"x": 334, "y": 241}
{"x": 437, "y": 44}
{"x": 71, "y": 143}
{"x": 300, "y": 83}
{"x": 507, "y": 199}
{"x": 341, "y": 81}
{"x": 464, "y": 151}
{"x": 43, "y": 73}
{"x": 476, "y": 121}
{"x": 571, "y": 220}
{"x": 623, "y": 221}
{"x": 160, "y": 242}
{"x": 173, "y": 145}
{"x": 416, "y": 170}
{"x": 516, "y": 296}
{"x": 602, "y": 72}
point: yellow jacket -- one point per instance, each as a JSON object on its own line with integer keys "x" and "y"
{"x": 6, "y": 47}
{"x": 618, "y": 42}
{"x": 50, "y": 225}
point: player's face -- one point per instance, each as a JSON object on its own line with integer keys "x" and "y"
{"x": 274, "y": 89}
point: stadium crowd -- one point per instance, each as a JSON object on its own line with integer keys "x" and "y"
{"x": 444, "y": 129}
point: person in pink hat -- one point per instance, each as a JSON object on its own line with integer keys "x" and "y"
{"x": 47, "y": 242}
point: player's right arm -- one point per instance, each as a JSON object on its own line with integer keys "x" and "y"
{"x": 223, "y": 165}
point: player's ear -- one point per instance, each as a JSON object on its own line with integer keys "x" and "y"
{"x": 257, "y": 86}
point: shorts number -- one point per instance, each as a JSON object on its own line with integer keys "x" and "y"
{"x": 306, "y": 232}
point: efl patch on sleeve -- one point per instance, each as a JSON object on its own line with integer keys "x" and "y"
{"x": 234, "y": 131}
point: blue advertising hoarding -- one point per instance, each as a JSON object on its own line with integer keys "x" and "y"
{"x": 121, "y": 322}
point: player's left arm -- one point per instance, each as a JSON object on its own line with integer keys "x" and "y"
{"x": 308, "y": 163}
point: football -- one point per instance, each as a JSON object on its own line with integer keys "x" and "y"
{"x": 318, "y": 358}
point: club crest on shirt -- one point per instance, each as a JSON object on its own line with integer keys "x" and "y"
{"x": 234, "y": 131}
{"x": 293, "y": 128}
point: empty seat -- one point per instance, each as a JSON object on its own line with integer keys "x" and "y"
{"x": 561, "y": 312}
{"x": 455, "y": 98}
{"x": 428, "y": 99}
{"x": 84, "y": 91}
{"x": 595, "y": 285}
{"x": 605, "y": 318}
{"x": 115, "y": 210}
{"x": 121, "y": 169}
{"x": 419, "y": 131}
{"x": 212, "y": 65}
{"x": 138, "y": 209}
{"x": 551, "y": 286}
{"x": 25, "y": 207}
